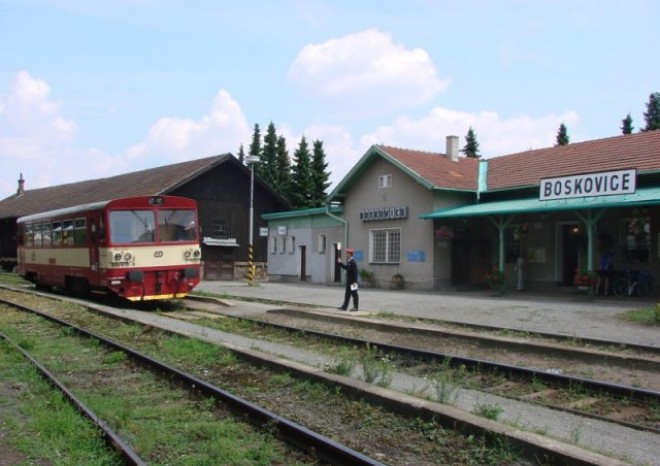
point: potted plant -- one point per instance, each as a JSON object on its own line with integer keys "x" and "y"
{"x": 396, "y": 283}
{"x": 496, "y": 280}
{"x": 583, "y": 281}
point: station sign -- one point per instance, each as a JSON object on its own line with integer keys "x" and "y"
{"x": 589, "y": 185}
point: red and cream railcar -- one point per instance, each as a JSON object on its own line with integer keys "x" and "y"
{"x": 140, "y": 248}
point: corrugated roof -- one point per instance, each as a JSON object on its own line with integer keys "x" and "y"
{"x": 639, "y": 150}
{"x": 149, "y": 182}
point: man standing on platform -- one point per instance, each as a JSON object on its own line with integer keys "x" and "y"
{"x": 351, "y": 281}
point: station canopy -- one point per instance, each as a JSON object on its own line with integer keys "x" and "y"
{"x": 642, "y": 197}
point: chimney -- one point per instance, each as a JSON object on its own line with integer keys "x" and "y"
{"x": 21, "y": 186}
{"x": 452, "y": 148}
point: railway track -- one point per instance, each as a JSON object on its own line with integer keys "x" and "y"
{"x": 195, "y": 391}
{"x": 624, "y": 404}
{"x": 538, "y": 446}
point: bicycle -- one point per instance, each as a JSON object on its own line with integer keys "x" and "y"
{"x": 638, "y": 282}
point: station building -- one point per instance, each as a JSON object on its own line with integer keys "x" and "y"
{"x": 442, "y": 221}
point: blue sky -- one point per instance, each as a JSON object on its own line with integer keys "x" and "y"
{"x": 90, "y": 89}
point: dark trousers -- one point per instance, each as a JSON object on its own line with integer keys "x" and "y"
{"x": 347, "y": 297}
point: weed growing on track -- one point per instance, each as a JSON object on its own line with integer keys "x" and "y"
{"x": 488, "y": 411}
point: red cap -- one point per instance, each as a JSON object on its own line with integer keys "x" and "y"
{"x": 349, "y": 251}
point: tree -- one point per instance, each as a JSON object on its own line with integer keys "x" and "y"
{"x": 320, "y": 174}
{"x": 562, "y": 135}
{"x": 627, "y": 125}
{"x": 283, "y": 169}
{"x": 652, "y": 114}
{"x": 241, "y": 154}
{"x": 267, "y": 164}
{"x": 471, "y": 148}
{"x": 302, "y": 185}
{"x": 255, "y": 146}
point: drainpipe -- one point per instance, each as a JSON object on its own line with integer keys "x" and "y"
{"x": 342, "y": 220}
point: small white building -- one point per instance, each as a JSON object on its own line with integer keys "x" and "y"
{"x": 304, "y": 245}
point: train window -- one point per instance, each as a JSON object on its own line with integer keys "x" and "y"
{"x": 129, "y": 226}
{"x": 28, "y": 237}
{"x": 57, "y": 233}
{"x": 176, "y": 225}
{"x": 67, "y": 233}
{"x": 80, "y": 231}
{"x": 46, "y": 235}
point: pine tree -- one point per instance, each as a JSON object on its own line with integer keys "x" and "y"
{"x": 255, "y": 146}
{"x": 652, "y": 114}
{"x": 471, "y": 148}
{"x": 241, "y": 154}
{"x": 320, "y": 174}
{"x": 266, "y": 168}
{"x": 283, "y": 170}
{"x": 302, "y": 186}
{"x": 627, "y": 125}
{"x": 562, "y": 135}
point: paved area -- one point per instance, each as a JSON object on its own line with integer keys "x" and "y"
{"x": 564, "y": 313}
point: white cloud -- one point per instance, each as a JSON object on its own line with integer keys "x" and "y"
{"x": 175, "y": 139}
{"x": 368, "y": 72}
{"x": 496, "y": 136}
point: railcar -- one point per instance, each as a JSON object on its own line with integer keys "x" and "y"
{"x": 139, "y": 248}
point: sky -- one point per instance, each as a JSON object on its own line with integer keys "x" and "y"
{"x": 91, "y": 89}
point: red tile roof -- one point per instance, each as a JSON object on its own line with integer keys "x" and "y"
{"x": 639, "y": 150}
{"x": 159, "y": 180}
{"x": 437, "y": 168}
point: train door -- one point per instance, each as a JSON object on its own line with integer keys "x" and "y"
{"x": 95, "y": 231}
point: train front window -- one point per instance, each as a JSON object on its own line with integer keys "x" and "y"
{"x": 131, "y": 226}
{"x": 177, "y": 225}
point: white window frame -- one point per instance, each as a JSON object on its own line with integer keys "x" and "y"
{"x": 322, "y": 243}
{"x": 273, "y": 244}
{"x": 385, "y": 181}
{"x": 391, "y": 247}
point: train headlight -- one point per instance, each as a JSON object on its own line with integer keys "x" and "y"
{"x": 187, "y": 254}
{"x": 197, "y": 253}
{"x": 128, "y": 256}
{"x": 117, "y": 257}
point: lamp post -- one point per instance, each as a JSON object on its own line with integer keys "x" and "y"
{"x": 251, "y": 160}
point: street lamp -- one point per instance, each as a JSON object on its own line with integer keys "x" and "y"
{"x": 251, "y": 160}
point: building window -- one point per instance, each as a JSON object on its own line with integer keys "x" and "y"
{"x": 273, "y": 245}
{"x": 323, "y": 241}
{"x": 636, "y": 239}
{"x": 292, "y": 244}
{"x": 385, "y": 181}
{"x": 385, "y": 246}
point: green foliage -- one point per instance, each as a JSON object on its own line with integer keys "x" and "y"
{"x": 488, "y": 411}
{"x": 652, "y": 114}
{"x": 320, "y": 175}
{"x": 562, "y": 135}
{"x": 627, "y": 125}
{"x": 266, "y": 168}
{"x": 471, "y": 148}
{"x": 303, "y": 184}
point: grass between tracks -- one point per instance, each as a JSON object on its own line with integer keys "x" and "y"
{"x": 323, "y": 408}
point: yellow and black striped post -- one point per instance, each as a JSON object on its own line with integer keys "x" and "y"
{"x": 250, "y": 272}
